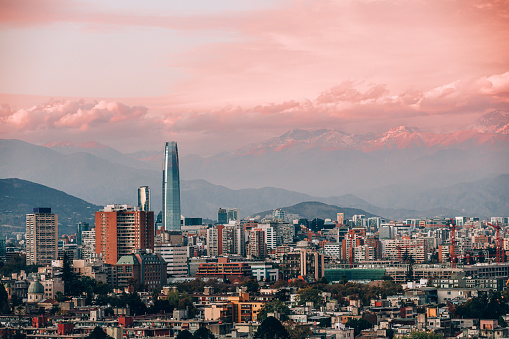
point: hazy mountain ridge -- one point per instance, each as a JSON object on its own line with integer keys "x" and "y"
{"x": 315, "y": 209}
{"x": 19, "y": 197}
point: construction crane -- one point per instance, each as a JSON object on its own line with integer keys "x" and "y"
{"x": 500, "y": 256}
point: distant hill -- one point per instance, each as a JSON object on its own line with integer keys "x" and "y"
{"x": 19, "y": 197}
{"x": 314, "y": 209}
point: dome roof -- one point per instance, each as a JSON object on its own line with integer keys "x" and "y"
{"x": 36, "y": 288}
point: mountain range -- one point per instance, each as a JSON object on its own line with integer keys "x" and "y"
{"x": 400, "y": 173}
{"x": 19, "y": 197}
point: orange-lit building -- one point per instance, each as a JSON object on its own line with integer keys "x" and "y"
{"x": 120, "y": 230}
{"x": 224, "y": 270}
{"x": 238, "y": 309}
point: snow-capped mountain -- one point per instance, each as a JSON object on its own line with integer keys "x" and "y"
{"x": 491, "y": 129}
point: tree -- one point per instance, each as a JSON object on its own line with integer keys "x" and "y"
{"x": 310, "y": 295}
{"x": 185, "y": 334}
{"x": 186, "y": 303}
{"x": 203, "y": 333}
{"x": 271, "y": 328}
{"x": 252, "y": 286}
{"x": 423, "y": 335}
{"x": 68, "y": 276}
{"x": 4, "y": 300}
{"x": 358, "y": 325}
{"x": 98, "y": 333}
{"x": 275, "y": 305}
{"x": 298, "y": 331}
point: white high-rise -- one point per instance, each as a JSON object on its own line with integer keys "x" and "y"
{"x": 41, "y": 237}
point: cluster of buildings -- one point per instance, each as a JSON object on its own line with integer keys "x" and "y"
{"x": 130, "y": 247}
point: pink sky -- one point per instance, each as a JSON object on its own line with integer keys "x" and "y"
{"x": 218, "y": 77}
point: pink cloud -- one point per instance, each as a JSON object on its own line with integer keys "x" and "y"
{"x": 78, "y": 115}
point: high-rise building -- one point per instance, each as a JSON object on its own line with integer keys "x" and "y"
{"x": 88, "y": 244}
{"x": 41, "y": 237}
{"x": 233, "y": 214}
{"x": 176, "y": 258}
{"x": 215, "y": 241}
{"x": 222, "y": 216}
{"x": 341, "y": 218}
{"x": 120, "y": 230}
{"x": 144, "y": 198}
{"x": 257, "y": 247}
{"x": 278, "y": 214}
{"x": 82, "y": 227}
{"x": 171, "y": 188}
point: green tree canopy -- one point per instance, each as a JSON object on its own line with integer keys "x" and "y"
{"x": 483, "y": 307}
{"x": 309, "y": 294}
{"x": 4, "y": 300}
{"x": 185, "y": 334}
{"x": 98, "y": 333}
{"x": 358, "y": 325}
{"x": 203, "y": 333}
{"x": 271, "y": 328}
{"x": 423, "y": 335}
{"x": 275, "y": 305}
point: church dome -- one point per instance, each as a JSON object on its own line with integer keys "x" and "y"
{"x": 36, "y": 288}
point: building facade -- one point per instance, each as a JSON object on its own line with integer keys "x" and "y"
{"x": 176, "y": 258}
{"x": 120, "y": 230}
{"x": 144, "y": 198}
{"x": 171, "y": 188}
{"x": 41, "y": 237}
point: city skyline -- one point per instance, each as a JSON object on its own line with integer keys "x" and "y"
{"x": 214, "y": 77}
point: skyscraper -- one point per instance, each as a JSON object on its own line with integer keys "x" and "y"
{"x": 144, "y": 198}
{"x": 41, "y": 237}
{"x": 82, "y": 227}
{"x": 171, "y": 188}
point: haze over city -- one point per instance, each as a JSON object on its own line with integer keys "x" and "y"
{"x": 218, "y": 76}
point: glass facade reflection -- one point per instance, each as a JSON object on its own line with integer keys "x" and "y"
{"x": 171, "y": 188}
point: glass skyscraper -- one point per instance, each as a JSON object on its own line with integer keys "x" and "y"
{"x": 171, "y": 188}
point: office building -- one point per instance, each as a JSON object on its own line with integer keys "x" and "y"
{"x": 340, "y": 218}
{"x": 171, "y": 188}
{"x": 233, "y": 214}
{"x": 257, "y": 247}
{"x": 88, "y": 244}
{"x": 215, "y": 241}
{"x": 222, "y": 216}
{"x": 144, "y": 198}
{"x": 176, "y": 258}
{"x": 278, "y": 214}
{"x": 233, "y": 239}
{"x": 120, "y": 230}
{"x": 82, "y": 227}
{"x": 41, "y": 237}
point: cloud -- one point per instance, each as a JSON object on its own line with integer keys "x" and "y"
{"x": 75, "y": 115}
{"x": 350, "y": 106}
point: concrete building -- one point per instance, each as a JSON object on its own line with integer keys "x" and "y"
{"x": 256, "y": 246}
{"x": 176, "y": 258}
{"x": 88, "y": 244}
{"x": 41, "y": 237}
{"x": 120, "y": 230}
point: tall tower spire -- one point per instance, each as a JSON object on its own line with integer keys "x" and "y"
{"x": 171, "y": 188}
